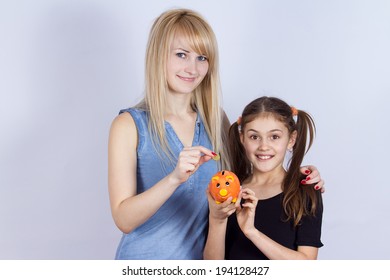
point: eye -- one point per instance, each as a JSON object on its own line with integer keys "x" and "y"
{"x": 227, "y": 184}
{"x": 181, "y": 55}
{"x": 253, "y": 137}
{"x": 275, "y": 137}
{"x": 218, "y": 185}
{"x": 202, "y": 58}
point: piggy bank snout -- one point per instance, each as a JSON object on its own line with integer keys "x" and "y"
{"x": 223, "y": 192}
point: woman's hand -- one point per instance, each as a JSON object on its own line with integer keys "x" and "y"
{"x": 190, "y": 158}
{"x": 246, "y": 211}
{"x": 312, "y": 177}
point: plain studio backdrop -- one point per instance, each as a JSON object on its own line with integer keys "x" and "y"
{"x": 68, "y": 67}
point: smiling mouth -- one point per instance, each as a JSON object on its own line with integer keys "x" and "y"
{"x": 264, "y": 157}
{"x": 186, "y": 79}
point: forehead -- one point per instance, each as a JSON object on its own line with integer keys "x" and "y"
{"x": 180, "y": 41}
{"x": 191, "y": 41}
{"x": 265, "y": 123}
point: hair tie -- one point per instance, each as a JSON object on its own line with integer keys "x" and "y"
{"x": 239, "y": 120}
{"x": 294, "y": 111}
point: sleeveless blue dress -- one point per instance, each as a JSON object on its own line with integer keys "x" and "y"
{"x": 178, "y": 229}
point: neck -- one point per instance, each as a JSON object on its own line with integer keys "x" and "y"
{"x": 267, "y": 184}
{"x": 178, "y": 105}
{"x": 271, "y": 177}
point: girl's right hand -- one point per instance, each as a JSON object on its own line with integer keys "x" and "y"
{"x": 220, "y": 211}
{"x": 190, "y": 158}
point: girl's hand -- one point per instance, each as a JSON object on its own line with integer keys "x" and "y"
{"x": 313, "y": 177}
{"x": 190, "y": 158}
{"x": 220, "y": 211}
{"x": 246, "y": 211}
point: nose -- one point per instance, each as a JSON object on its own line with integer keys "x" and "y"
{"x": 263, "y": 145}
{"x": 223, "y": 192}
{"x": 191, "y": 67}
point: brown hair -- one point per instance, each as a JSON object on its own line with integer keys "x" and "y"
{"x": 298, "y": 201}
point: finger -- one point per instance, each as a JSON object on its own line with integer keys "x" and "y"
{"x": 313, "y": 178}
{"x": 202, "y": 150}
{"x": 249, "y": 205}
{"x": 227, "y": 202}
{"x": 312, "y": 174}
{"x": 320, "y": 186}
{"x": 310, "y": 170}
{"x": 204, "y": 158}
{"x": 231, "y": 212}
{"x": 247, "y": 191}
{"x": 251, "y": 199}
{"x": 239, "y": 199}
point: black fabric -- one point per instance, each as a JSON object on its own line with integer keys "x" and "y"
{"x": 270, "y": 220}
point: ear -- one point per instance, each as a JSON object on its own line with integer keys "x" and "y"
{"x": 242, "y": 138}
{"x": 293, "y": 139}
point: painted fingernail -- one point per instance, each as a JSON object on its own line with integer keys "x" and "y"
{"x": 303, "y": 182}
{"x": 317, "y": 188}
{"x": 216, "y": 157}
{"x": 308, "y": 178}
{"x": 307, "y": 171}
{"x": 214, "y": 154}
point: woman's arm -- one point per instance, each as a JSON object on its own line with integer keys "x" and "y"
{"x": 129, "y": 209}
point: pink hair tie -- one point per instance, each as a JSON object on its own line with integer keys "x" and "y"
{"x": 239, "y": 120}
{"x": 294, "y": 111}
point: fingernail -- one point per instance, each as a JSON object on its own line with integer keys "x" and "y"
{"x": 317, "y": 188}
{"x": 307, "y": 171}
{"x": 308, "y": 178}
{"x": 214, "y": 154}
{"x": 303, "y": 182}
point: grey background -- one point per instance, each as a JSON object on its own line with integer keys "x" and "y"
{"x": 68, "y": 67}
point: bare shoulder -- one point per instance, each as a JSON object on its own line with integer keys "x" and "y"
{"x": 123, "y": 128}
{"x": 123, "y": 122}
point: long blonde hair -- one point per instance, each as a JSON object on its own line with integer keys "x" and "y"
{"x": 206, "y": 97}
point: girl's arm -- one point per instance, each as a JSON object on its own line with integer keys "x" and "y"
{"x": 275, "y": 251}
{"x": 270, "y": 248}
{"x": 129, "y": 209}
{"x": 218, "y": 216}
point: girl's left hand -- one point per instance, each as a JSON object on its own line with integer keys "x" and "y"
{"x": 313, "y": 177}
{"x": 246, "y": 211}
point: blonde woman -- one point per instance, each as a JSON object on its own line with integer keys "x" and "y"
{"x": 161, "y": 151}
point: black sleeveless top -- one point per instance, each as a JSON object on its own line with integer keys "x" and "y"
{"x": 270, "y": 220}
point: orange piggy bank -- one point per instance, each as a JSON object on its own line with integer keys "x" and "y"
{"x": 223, "y": 185}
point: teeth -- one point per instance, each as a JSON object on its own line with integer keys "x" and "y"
{"x": 264, "y": 157}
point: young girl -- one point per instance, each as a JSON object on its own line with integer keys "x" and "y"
{"x": 160, "y": 151}
{"x": 276, "y": 217}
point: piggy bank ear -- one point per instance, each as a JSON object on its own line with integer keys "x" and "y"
{"x": 230, "y": 178}
{"x": 215, "y": 179}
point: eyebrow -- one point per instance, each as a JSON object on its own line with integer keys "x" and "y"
{"x": 182, "y": 50}
{"x": 273, "y": 130}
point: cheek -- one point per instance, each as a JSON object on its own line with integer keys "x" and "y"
{"x": 249, "y": 149}
{"x": 203, "y": 69}
{"x": 282, "y": 148}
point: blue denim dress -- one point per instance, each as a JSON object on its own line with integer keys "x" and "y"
{"x": 178, "y": 229}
